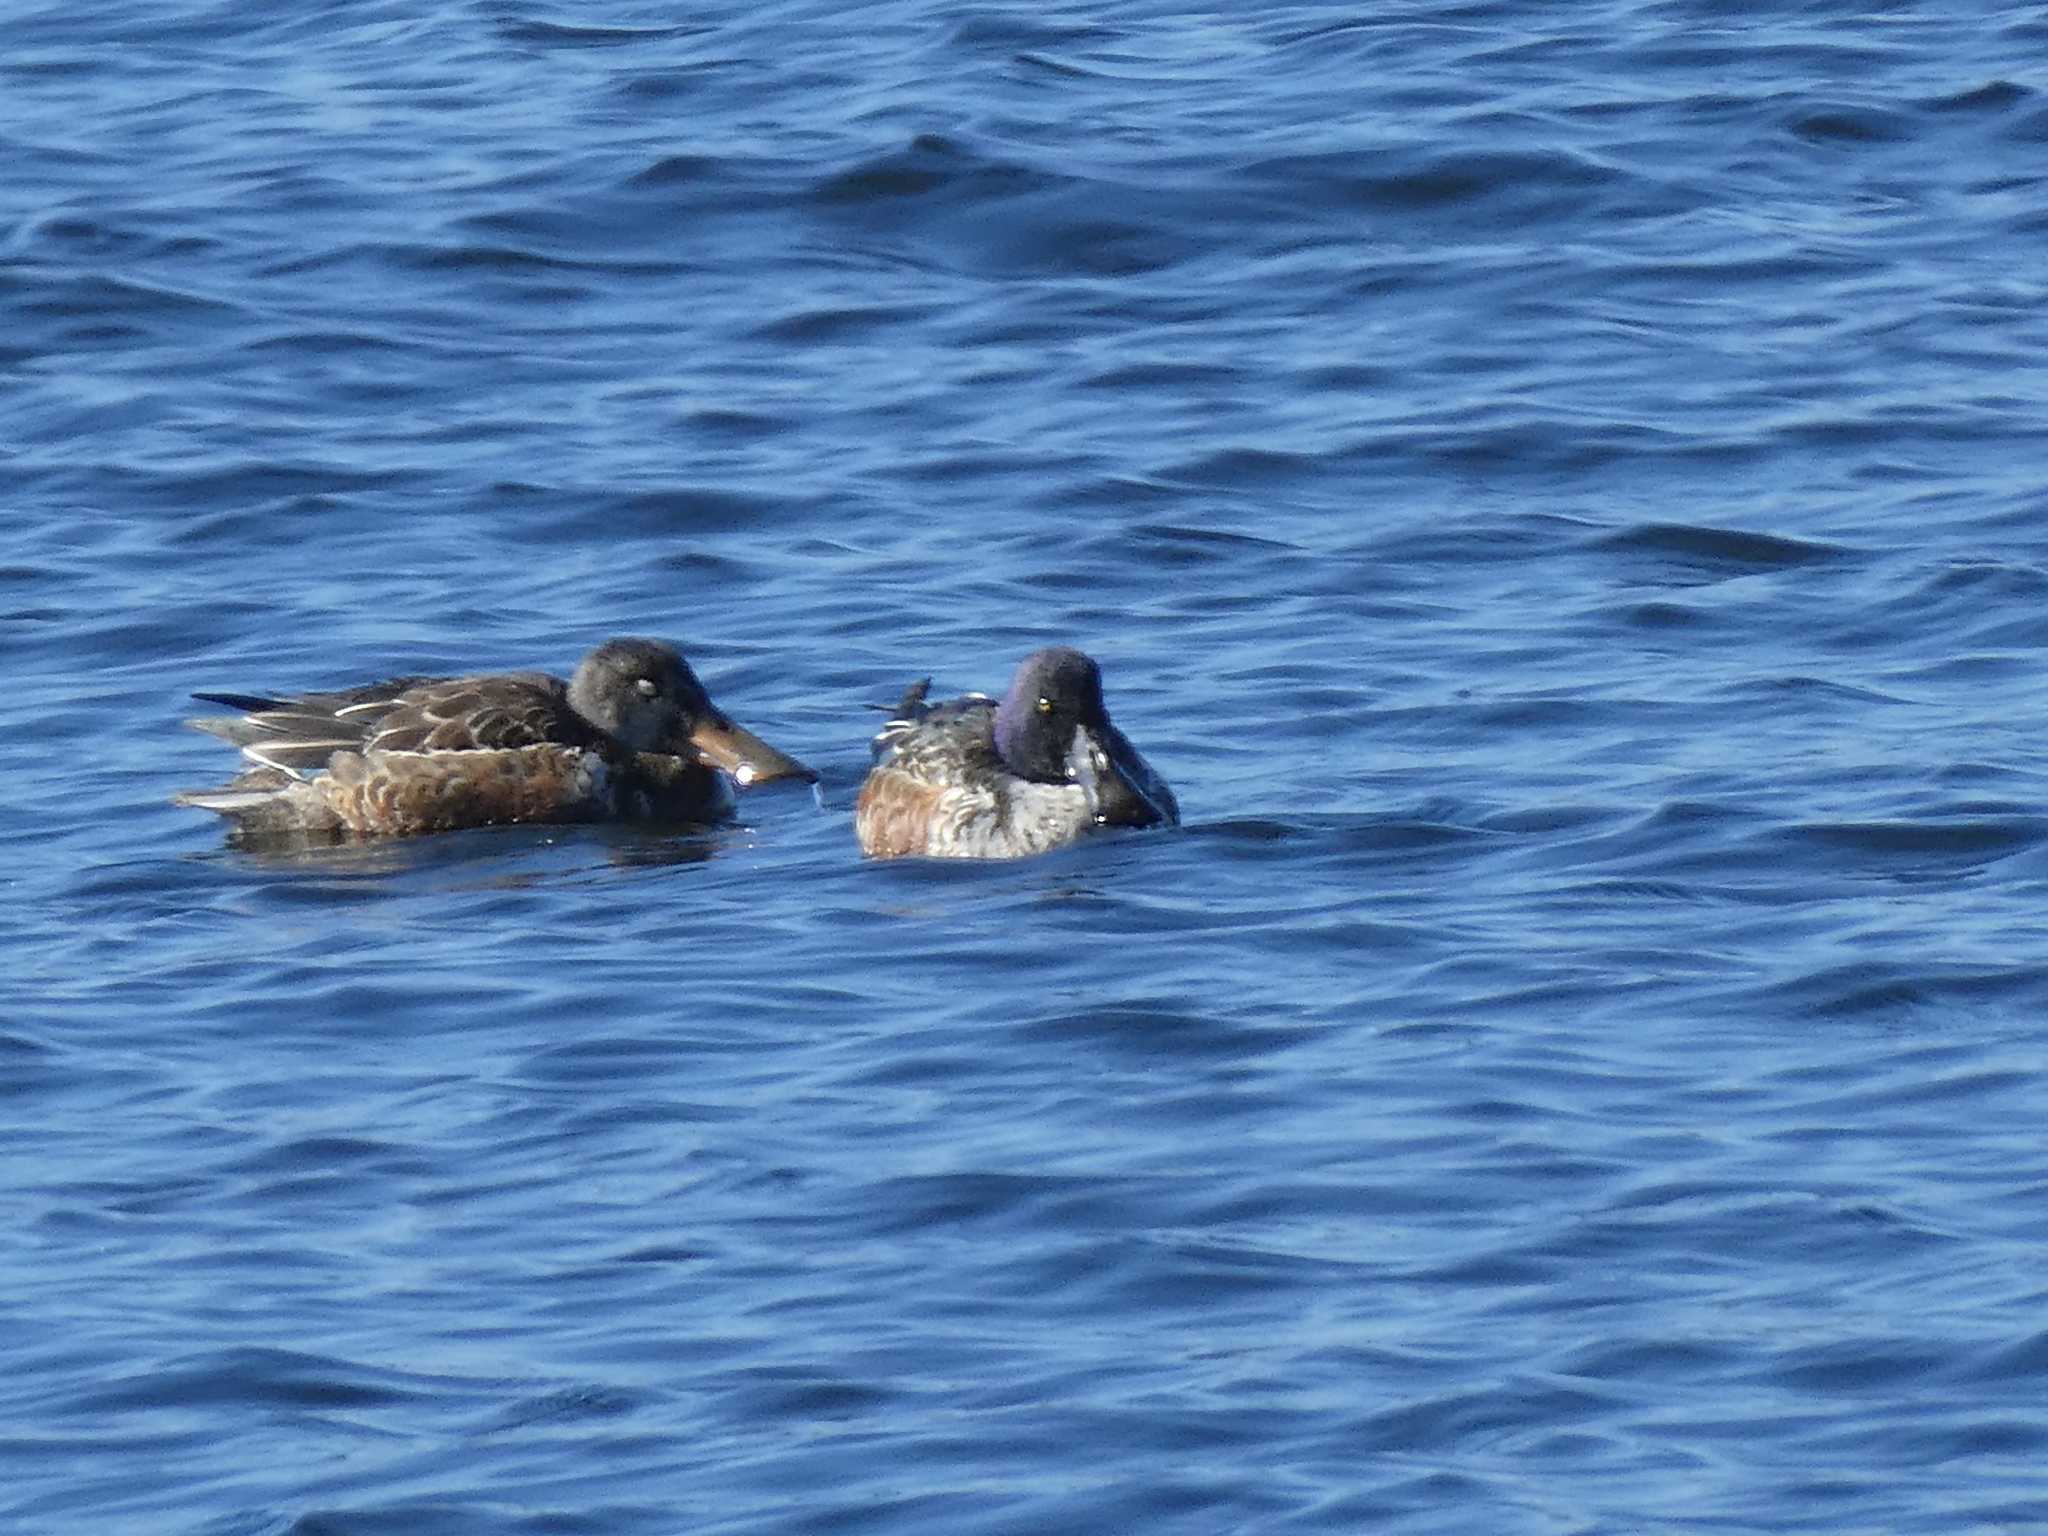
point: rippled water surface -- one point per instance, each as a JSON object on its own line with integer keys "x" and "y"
{"x": 1557, "y": 490}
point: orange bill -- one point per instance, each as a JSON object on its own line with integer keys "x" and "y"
{"x": 732, "y": 748}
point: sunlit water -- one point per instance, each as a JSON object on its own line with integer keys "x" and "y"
{"x": 1559, "y": 494}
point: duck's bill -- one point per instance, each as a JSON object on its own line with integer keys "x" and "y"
{"x": 735, "y": 750}
{"x": 1123, "y": 791}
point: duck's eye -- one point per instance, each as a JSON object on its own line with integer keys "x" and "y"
{"x": 648, "y": 687}
{"x": 1044, "y": 705}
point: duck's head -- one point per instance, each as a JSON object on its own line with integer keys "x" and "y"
{"x": 644, "y": 695}
{"x": 1053, "y": 727}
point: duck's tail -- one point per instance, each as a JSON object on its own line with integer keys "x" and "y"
{"x": 911, "y": 706}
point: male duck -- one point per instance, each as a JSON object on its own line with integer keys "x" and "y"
{"x": 978, "y": 779}
{"x": 632, "y": 735}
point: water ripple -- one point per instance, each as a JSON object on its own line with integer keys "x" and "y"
{"x": 1565, "y": 519}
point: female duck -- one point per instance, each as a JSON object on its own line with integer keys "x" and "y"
{"x": 632, "y": 735}
{"x": 978, "y": 779}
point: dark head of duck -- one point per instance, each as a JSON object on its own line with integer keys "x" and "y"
{"x": 1053, "y": 727}
{"x": 644, "y": 695}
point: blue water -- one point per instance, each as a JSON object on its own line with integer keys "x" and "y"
{"x": 1557, "y": 490}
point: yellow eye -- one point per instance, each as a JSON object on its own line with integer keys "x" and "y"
{"x": 1044, "y": 705}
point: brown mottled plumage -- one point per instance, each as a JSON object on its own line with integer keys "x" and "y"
{"x": 632, "y": 734}
{"x": 895, "y": 813}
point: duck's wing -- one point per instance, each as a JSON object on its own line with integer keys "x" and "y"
{"x": 297, "y": 734}
{"x": 300, "y": 735}
{"x": 943, "y": 742}
{"x": 475, "y": 714}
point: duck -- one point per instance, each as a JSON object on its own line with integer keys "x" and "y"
{"x": 632, "y": 735}
{"x": 981, "y": 778}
